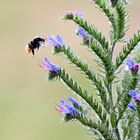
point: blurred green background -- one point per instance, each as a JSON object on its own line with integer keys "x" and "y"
{"x": 27, "y": 99}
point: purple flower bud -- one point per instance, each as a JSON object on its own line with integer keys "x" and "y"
{"x": 74, "y": 13}
{"x": 66, "y": 108}
{"x": 58, "y": 42}
{"x": 132, "y": 105}
{"x": 73, "y": 101}
{"x": 134, "y": 67}
{"x": 48, "y": 66}
{"x": 82, "y": 33}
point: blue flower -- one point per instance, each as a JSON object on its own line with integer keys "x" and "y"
{"x": 48, "y": 66}
{"x": 66, "y": 109}
{"x": 132, "y": 105}
{"x": 132, "y": 93}
{"x": 134, "y": 67}
{"x": 82, "y": 33}
{"x": 58, "y": 42}
{"x": 73, "y": 101}
{"x": 135, "y": 95}
{"x": 129, "y": 63}
{"x": 74, "y": 13}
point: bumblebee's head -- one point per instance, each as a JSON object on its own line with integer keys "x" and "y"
{"x": 28, "y": 49}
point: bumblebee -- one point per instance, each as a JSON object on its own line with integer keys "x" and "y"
{"x": 34, "y": 44}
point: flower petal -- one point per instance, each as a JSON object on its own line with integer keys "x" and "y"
{"x": 73, "y": 101}
{"x": 60, "y": 41}
{"x": 52, "y": 41}
{"x": 132, "y": 93}
{"x": 132, "y": 105}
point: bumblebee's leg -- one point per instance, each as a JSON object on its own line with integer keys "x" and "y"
{"x": 33, "y": 52}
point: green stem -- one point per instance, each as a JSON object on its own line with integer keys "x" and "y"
{"x": 117, "y": 134}
{"x": 110, "y": 93}
{"x": 113, "y": 46}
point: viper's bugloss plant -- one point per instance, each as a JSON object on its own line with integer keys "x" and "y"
{"x": 113, "y": 112}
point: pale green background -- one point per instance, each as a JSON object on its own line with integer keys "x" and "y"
{"x": 27, "y": 99}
